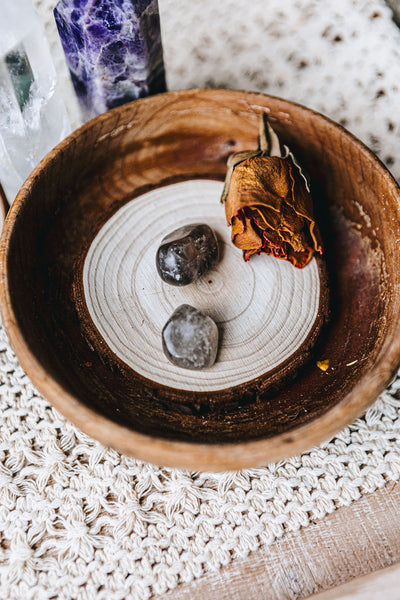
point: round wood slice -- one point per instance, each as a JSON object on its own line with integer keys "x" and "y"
{"x": 266, "y": 309}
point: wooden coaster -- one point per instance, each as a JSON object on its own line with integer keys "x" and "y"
{"x": 265, "y": 309}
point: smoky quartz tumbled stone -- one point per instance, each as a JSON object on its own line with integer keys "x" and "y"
{"x": 186, "y": 254}
{"x": 190, "y": 338}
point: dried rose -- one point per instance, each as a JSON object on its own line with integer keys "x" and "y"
{"x": 268, "y": 203}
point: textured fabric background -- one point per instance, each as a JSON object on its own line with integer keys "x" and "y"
{"x": 81, "y": 521}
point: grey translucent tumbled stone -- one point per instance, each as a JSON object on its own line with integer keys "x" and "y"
{"x": 190, "y": 338}
{"x": 186, "y": 254}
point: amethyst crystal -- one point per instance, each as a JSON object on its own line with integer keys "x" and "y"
{"x": 190, "y": 338}
{"x": 113, "y": 50}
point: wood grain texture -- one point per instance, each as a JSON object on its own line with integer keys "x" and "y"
{"x": 129, "y": 304}
{"x": 4, "y": 206}
{"x": 178, "y": 137}
{"x": 383, "y": 584}
{"x": 346, "y": 545}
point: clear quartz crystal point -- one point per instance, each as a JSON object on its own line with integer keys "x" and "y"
{"x": 33, "y": 118}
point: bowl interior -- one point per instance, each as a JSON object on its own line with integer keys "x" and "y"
{"x": 187, "y": 135}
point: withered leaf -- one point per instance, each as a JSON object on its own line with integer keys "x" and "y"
{"x": 268, "y": 203}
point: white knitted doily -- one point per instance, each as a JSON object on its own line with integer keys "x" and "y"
{"x": 80, "y": 521}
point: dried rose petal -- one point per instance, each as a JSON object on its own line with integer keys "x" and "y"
{"x": 269, "y": 206}
{"x": 323, "y": 364}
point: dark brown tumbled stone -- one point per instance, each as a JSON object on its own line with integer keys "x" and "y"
{"x": 186, "y": 254}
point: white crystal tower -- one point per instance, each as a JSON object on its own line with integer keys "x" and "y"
{"x": 33, "y": 118}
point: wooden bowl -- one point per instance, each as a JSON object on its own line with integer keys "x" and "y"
{"x": 82, "y": 303}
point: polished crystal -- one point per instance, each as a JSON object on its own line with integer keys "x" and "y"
{"x": 190, "y": 338}
{"x": 33, "y": 118}
{"x": 113, "y": 50}
{"x": 186, "y": 254}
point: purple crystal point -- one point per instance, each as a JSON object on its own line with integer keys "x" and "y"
{"x": 113, "y": 50}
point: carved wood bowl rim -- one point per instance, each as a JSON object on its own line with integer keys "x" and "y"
{"x": 175, "y": 453}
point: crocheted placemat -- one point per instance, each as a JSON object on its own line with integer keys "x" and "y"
{"x": 81, "y": 521}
